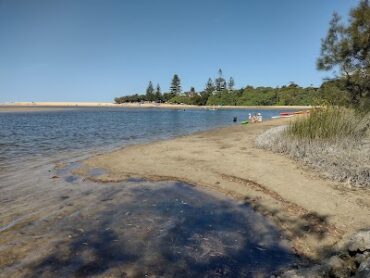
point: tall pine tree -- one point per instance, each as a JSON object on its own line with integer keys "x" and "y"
{"x": 210, "y": 87}
{"x": 150, "y": 92}
{"x": 175, "y": 88}
{"x": 220, "y": 82}
{"x": 231, "y": 84}
{"x": 192, "y": 92}
{"x": 158, "y": 94}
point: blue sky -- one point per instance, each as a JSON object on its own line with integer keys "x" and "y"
{"x": 95, "y": 50}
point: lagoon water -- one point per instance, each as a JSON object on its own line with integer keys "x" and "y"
{"x": 24, "y": 134}
{"x": 55, "y": 224}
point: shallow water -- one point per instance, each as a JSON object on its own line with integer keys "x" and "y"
{"x": 56, "y": 224}
{"x": 140, "y": 228}
{"x": 40, "y": 134}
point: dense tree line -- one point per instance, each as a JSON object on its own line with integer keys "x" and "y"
{"x": 330, "y": 92}
{"x": 175, "y": 94}
{"x": 285, "y": 95}
{"x": 345, "y": 51}
{"x": 154, "y": 95}
{"x": 220, "y": 92}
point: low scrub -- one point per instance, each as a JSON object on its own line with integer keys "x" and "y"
{"x": 330, "y": 123}
{"x": 334, "y": 141}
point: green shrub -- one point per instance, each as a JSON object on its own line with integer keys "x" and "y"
{"x": 194, "y": 100}
{"x": 330, "y": 123}
{"x": 334, "y": 141}
{"x": 224, "y": 97}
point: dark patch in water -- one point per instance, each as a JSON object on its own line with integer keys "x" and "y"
{"x": 96, "y": 172}
{"x": 67, "y": 169}
{"x": 66, "y": 172}
{"x": 166, "y": 230}
{"x": 72, "y": 179}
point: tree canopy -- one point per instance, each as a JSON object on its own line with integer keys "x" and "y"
{"x": 150, "y": 91}
{"x": 346, "y": 52}
{"x": 175, "y": 88}
{"x": 220, "y": 82}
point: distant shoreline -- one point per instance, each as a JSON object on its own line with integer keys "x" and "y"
{"x": 41, "y": 106}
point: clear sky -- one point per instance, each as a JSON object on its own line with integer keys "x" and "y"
{"x": 95, "y": 50}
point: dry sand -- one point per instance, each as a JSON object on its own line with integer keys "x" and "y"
{"x": 315, "y": 214}
{"x": 37, "y": 106}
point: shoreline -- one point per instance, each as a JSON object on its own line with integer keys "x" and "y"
{"x": 316, "y": 215}
{"x": 43, "y": 106}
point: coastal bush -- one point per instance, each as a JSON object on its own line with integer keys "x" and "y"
{"x": 224, "y": 97}
{"x": 193, "y": 100}
{"x": 286, "y": 95}
{"x": 330, "y": 93}
{"x": 334, "y": 141}
{"x": 329, "y": 123}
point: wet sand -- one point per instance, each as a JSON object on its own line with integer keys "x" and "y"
{"x": 315, "y": 214}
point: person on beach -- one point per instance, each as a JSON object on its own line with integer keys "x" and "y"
{"x": 252, "y": 118}
{"x": 259, "y": 117}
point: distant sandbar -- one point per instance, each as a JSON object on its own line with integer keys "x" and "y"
{"x": 44, "y": 106}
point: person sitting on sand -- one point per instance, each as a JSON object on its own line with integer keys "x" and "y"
{"x": 254, "y": 118}
{"x": 249, "y": 117}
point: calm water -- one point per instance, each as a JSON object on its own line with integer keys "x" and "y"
{"x": 61, "y": 225}
{"x": 33, "y": 134}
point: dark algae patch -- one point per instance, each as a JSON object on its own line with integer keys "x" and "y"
{"x": 163, "y": 229}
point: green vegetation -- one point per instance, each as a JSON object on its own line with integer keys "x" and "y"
{"x": 175, "y": 88}
{"x": 220, "y": 82}
{"x": 183, "y": 100}
{"x": 335, "y": 138}
{"x": 333, "y": 123}
{"x": 346, "y": 50}
{"x": 286, "y": 95}
{"x": 292, "y": 94}
{"x": 330, "y": 92}
{"x": 158, "y": 95}
{"x": 150, "y": 92}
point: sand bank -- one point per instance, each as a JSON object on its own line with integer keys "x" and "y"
{"x": 315, "y": 214}
{"x": 32, "y": 106}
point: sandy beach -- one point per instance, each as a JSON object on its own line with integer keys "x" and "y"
{"x": 315, "y": 214}
{"x": 190, "y": 198}
{"x": 47, "y": 106}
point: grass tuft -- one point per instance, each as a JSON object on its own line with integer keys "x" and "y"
{"x": 334, "y": 141}
{"x": 328, "y": 123}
